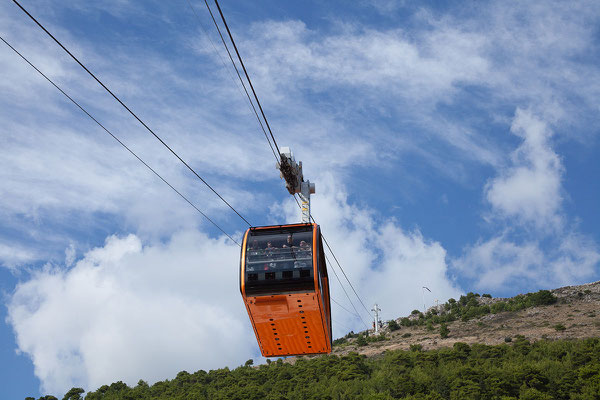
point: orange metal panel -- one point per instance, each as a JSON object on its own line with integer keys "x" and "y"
{"x": 288, "y": 324}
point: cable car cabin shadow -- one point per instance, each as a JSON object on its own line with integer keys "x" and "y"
{"x": 284, "y": 284}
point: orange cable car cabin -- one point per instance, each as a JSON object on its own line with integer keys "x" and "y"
{"x": 284, "y": 284}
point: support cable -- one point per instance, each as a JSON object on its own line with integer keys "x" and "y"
{"x": 235, "y": 67}
{"x": 247, "y": 76}
{"x": 344, "y": 308}
{"x": 346, "y": 293}
{"x": 129, "y": 110}
{"x": 269, "y": 128}
{"x": 166, "y": 145}
{"x": 339, "y": 265}
{"x": 267, "y": 123}
{"x": 118, "y": 140}
{"x": 341, "y": 325}
{"x": 271, "y": 132}
{"x": 346, "y": 276}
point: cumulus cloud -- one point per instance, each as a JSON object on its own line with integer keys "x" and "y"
{"x": 530, "y": 188}
{"x": 127, "y": 312}
{"x": 537, "y": 246}
{"x": 500, "y": 262}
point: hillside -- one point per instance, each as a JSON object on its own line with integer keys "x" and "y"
{"x": 577, "y": 309}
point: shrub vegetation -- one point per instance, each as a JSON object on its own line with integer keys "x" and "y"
{"x": 470, "y": 306}
{"x": 521, "y": 370}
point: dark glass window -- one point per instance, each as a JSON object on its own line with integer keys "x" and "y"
{"x": 279, "y": 252}
{"x": 279, "y": 259}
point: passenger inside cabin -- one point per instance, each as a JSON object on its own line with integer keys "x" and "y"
{"x": 253, "y": 251}
{"x": 289, "y": 243}
{"x": 270, "y": 248}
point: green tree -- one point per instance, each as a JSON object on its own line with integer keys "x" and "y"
{"x": 73, "y": 394}
{"x": 444, "y": 331}
{"x": 534, "y": 394}
{"x": 361, "y": 340}
{"x": 143, "y": 384}
{"x": 416, "y": 347}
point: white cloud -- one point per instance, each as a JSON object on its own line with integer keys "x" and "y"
{"x": 129, "y": 312}
{"x": 530, "y": 188}
{"x": 59, "y": 169}
{"x": 576, "y": 259}
{"x": 526, "y": 194}
{"x": 70, "y": 254}
{"x": 14, "y": 255}
{"x": 366, "y": 57}
{"x": 409, "y": 261}
{"x": 480, "y": 61}
{"x": 500, "y": 263}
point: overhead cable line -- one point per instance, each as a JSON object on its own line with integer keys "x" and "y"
{"x": 344, "y": 308}
{"x": 273, "y": 137}
{"x": 338, "y": 278}
{"x": 129, "y": 110}
{"x": 341, "y": 269}
{"x": 234, "y": 66}
{"x": 346, "y": 293}
{"x": 271, "y": 132}
{"x": 339, "y": 265}
{"x": 341, "y": 325}
{"x": 247, "y": 76}
{"x": 117, "y": 139}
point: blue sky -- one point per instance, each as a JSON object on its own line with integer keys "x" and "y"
{"x": 452, "y": 146}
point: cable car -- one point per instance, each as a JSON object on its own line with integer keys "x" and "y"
{"x": 284, "y": 284}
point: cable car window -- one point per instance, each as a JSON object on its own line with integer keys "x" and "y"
{"x": 279, "y": 252}
{"x": 279, "y": 260}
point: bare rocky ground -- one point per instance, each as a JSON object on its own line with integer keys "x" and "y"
{"x": 577, "y": 309}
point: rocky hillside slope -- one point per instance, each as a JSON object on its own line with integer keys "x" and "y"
{"x": 575, "y": 314}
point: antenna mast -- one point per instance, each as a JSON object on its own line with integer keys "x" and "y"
{"x": 291, "y": 171}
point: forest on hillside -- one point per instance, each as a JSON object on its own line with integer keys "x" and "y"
{"x": 568, "y": 370}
